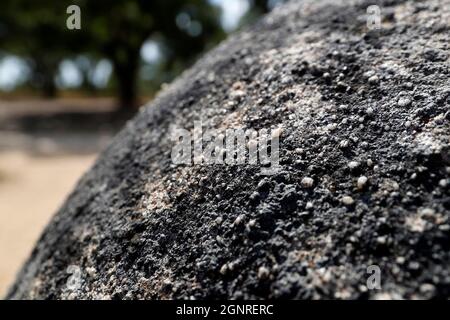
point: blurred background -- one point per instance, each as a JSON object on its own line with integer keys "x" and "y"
{"x": 64, "y": 92}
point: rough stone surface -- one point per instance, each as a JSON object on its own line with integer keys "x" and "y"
{"x": 138, "y": 226}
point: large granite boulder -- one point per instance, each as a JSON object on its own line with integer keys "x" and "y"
{"x": 359, "y": 207}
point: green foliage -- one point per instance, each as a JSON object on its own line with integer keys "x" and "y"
{"x": 36, "y": 31}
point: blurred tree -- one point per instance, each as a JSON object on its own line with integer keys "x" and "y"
{"x": 36, "y": 31}
{"x": 121, "y": 31}
{"x": 116, "y": 30}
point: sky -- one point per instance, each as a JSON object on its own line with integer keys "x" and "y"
{"x": 14, "y": 71}
{"x": 232, "y": 12}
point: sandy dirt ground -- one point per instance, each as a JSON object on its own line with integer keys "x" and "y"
{"x": 31, "y": 190}
{"x": 45, "y": 147}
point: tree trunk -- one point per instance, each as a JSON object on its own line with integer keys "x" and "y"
{"x": 44, "y": 72}
{"x": 126, "y": 75}
{"x": 127, "y": 90}
{"x": 49, "y": 88}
